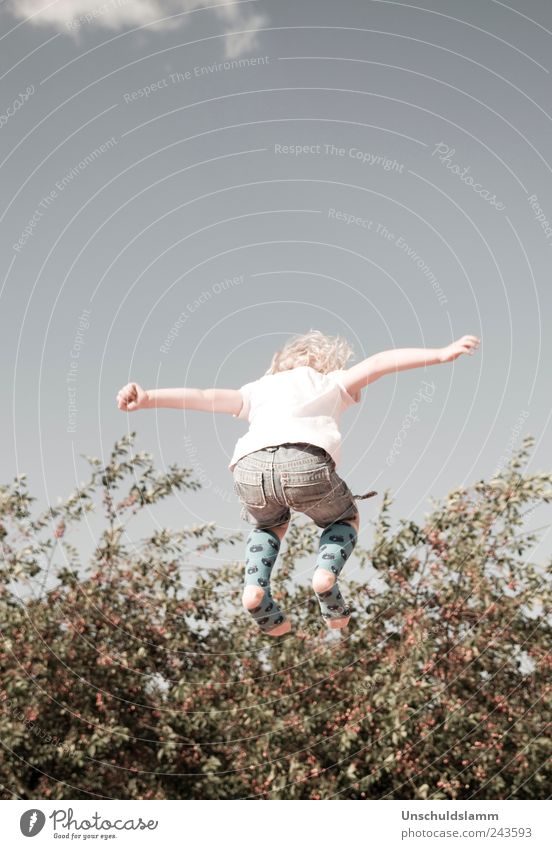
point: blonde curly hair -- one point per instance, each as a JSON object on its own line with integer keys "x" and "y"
{"x": 314, "y": 349}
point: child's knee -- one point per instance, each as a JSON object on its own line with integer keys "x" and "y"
{"x": 252, "y": 597}
{"x": 322, "y": 581}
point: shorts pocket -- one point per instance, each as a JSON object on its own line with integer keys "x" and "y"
{"x": 339, "y": 488}
{"x": 248, "y": 486}
{"x": 305, "y": 486}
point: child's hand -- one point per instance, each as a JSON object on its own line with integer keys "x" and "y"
{"x": 132, "y": 397}
{"x": 465, "y": 345}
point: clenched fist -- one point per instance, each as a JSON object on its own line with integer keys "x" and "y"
{"x": 132, "y": 397}
{"x": 465, "y": 345}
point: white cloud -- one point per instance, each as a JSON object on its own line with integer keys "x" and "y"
{"x": 70, "y": 16}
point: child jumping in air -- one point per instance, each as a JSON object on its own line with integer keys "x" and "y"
{"x": 287, "y": 459}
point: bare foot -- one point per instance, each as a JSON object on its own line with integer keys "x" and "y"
{"x": 342, "y": 622}
{"x": 284, "y": 628}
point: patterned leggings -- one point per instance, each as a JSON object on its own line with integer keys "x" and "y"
{"x": 337, "y": 541}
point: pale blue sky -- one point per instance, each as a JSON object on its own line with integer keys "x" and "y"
{"x": 139, "y": 172}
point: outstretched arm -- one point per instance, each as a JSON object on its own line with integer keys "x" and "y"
{"x": 132, "y": 397}
{"x": 400, "y": 359}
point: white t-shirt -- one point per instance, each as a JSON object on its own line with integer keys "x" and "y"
{"x": 297, "y": 405}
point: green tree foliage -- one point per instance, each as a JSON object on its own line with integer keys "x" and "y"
{"x": 138, "y": 675}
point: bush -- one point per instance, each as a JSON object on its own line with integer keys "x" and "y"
{"x": 125, "y": 679}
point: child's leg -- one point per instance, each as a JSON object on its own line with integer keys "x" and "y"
{"x": 262, "y": 548}
{"x": 337, "y": 541}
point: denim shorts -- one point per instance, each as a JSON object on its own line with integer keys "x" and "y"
{"x": 294, "y": 476}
